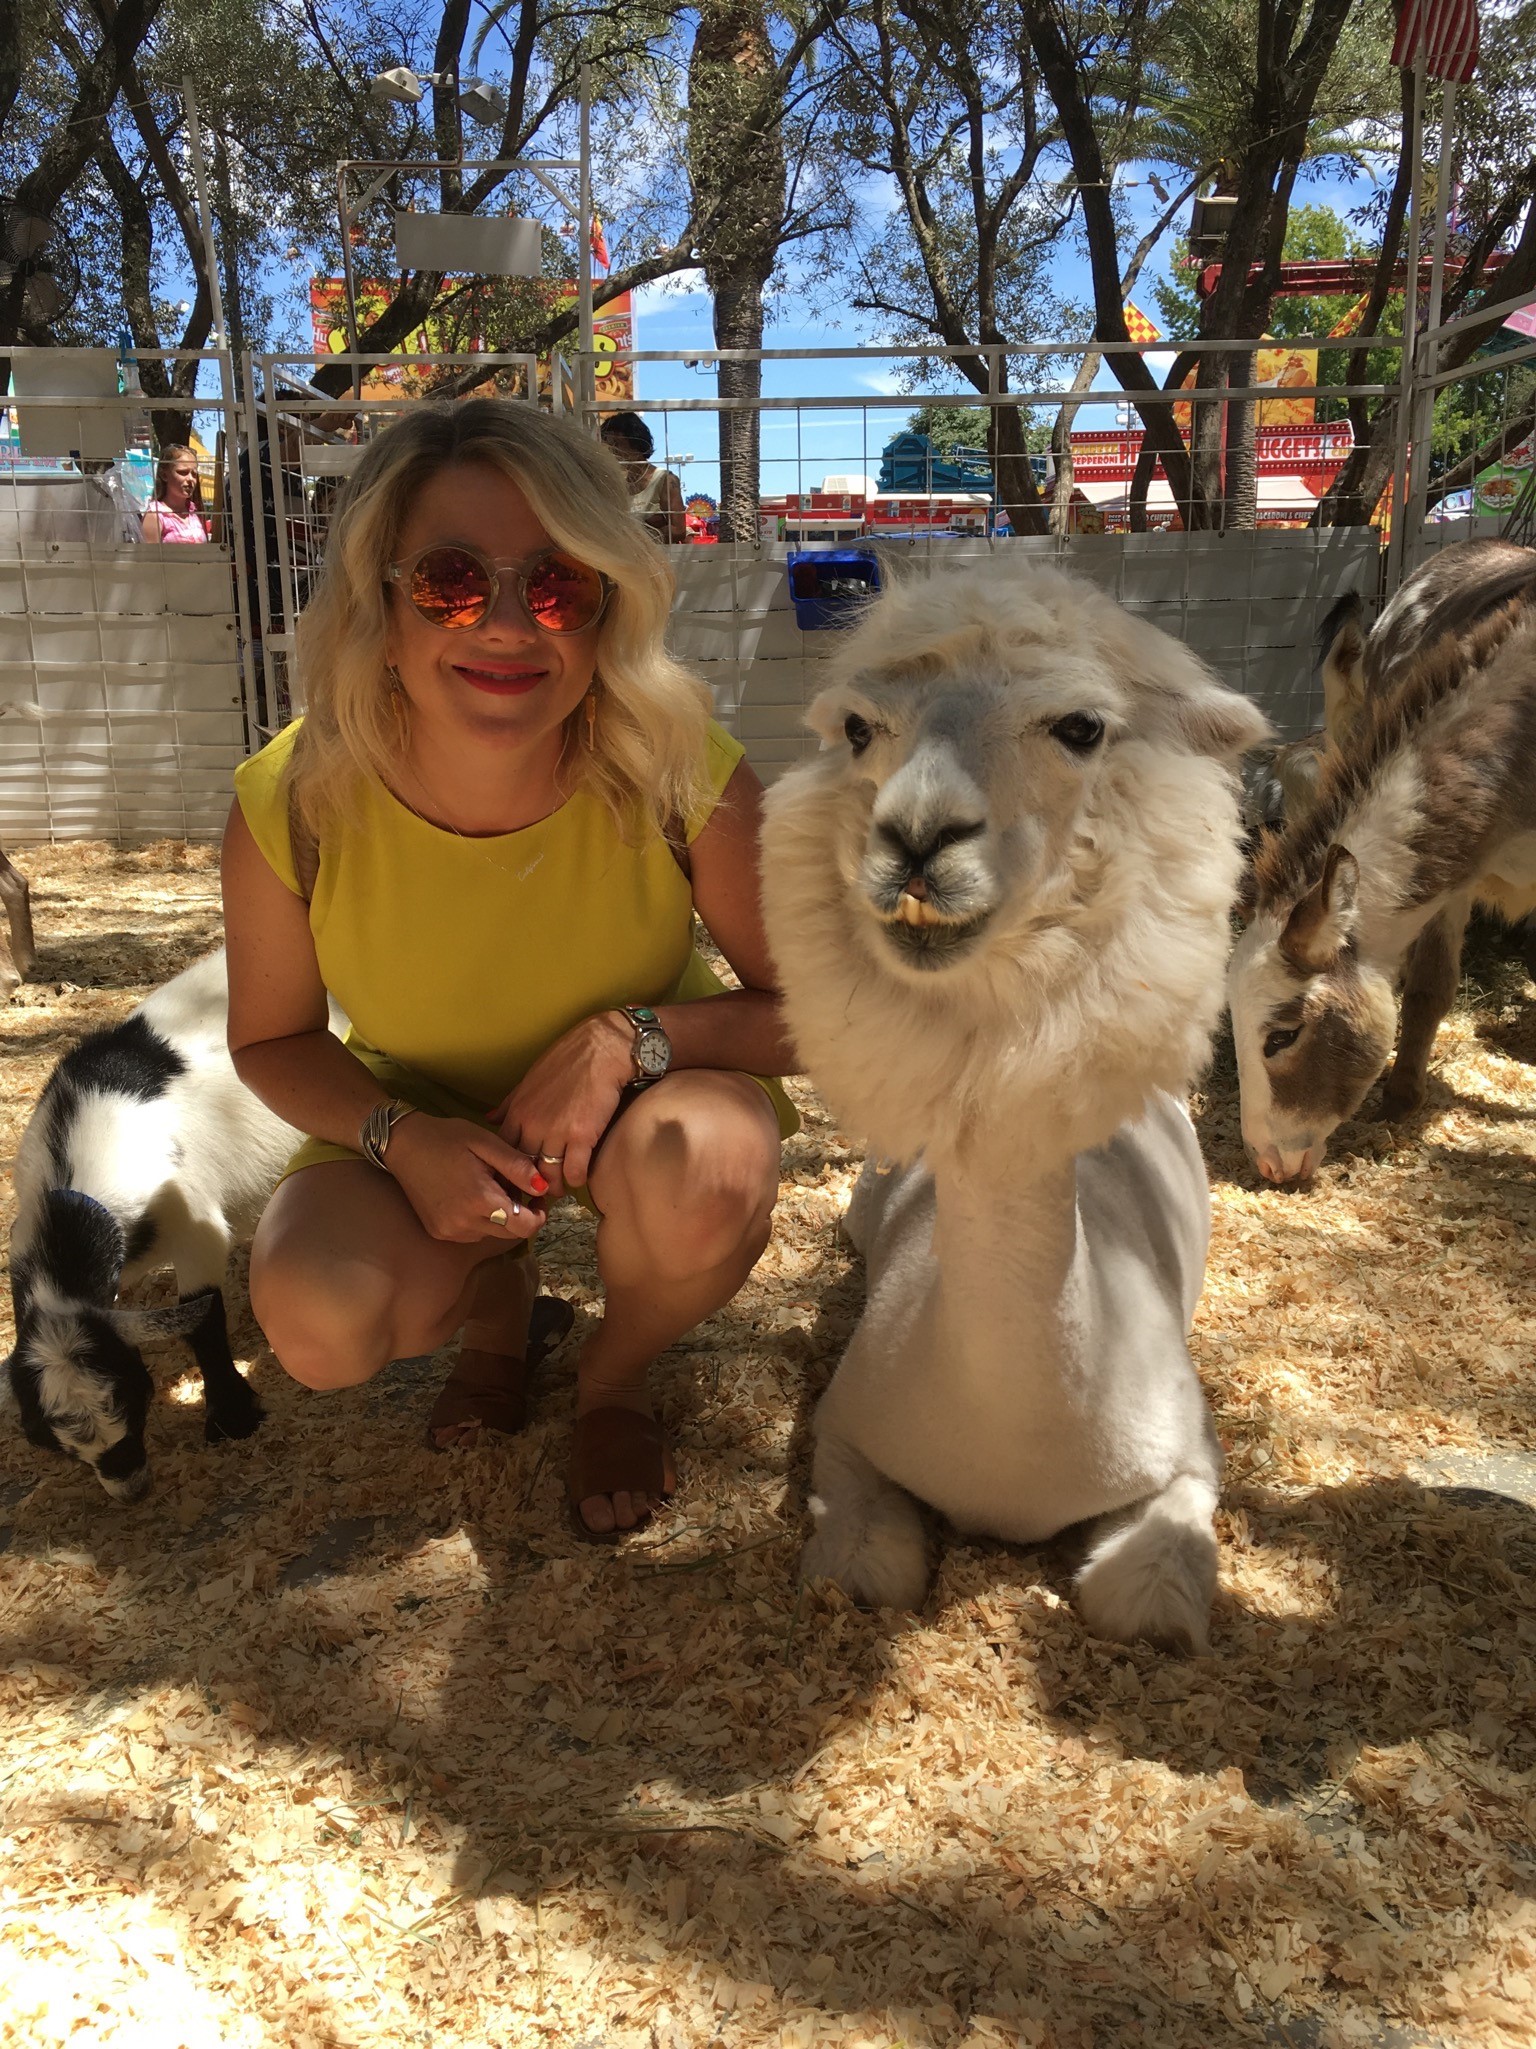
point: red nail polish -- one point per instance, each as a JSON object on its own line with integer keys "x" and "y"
{"x": 540, "y": 1185}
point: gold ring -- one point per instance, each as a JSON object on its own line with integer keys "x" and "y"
{"x": 551, "y": 1159}
{"x": 498, "y": 1216}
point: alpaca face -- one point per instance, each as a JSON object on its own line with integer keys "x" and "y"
{"x": 971, "y": 786}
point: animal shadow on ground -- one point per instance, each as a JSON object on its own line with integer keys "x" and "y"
{"x": 975, "y": 1811}
{"x": 663, "y": 1742}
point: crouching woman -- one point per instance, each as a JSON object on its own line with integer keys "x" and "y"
{"x": 486, "y": 840}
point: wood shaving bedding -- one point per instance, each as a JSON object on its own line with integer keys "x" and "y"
{"x": 330, "y": 1741}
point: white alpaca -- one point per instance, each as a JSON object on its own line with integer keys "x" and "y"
{"x": 998, "y": 901}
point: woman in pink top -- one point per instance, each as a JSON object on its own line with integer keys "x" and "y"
{"x": 175, "y": 512}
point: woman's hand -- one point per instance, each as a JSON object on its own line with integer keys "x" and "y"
{"x": 566, "y": 1100}
{"x": 455, "y": 1174}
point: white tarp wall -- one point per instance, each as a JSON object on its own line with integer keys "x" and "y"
{"x": 120, "y": 681}
{"x": 121, "y": 713}
{"x": 1249, "y": 602}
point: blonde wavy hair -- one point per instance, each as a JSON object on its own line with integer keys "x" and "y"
{"x": 647, "y": 757}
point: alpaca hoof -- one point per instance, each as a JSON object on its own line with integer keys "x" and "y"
{"x": 1397, "y": 1109}
{"x": 1152, "y": 1577}
{"x": 871, "y": 1575}
{"x": 237, "y": 1415}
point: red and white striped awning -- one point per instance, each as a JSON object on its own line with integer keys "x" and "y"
{"x": 1443, "y": 33}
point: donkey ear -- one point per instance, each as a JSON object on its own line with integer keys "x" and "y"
{"x": 175, "y": 1320}
{"x": 1321, "y": 923}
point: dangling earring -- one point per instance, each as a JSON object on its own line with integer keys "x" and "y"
{"x": 591, "y": 711}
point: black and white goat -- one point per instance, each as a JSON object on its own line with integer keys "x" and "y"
{"x": 145, "y": 1150}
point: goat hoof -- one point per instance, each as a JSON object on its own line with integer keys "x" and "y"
{"x": 233, "y": 1417}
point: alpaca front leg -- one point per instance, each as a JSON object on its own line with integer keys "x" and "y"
{"x": 868, "y": 1536}
{"x": 1151, "y": 1569}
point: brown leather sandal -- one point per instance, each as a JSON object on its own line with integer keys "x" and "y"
{"x": 617, "y": 1451}
{"x": 490, "y": 1389}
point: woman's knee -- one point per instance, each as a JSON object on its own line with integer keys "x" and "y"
{"x": 700, "y": 1187}
{"x": 327, "y": 1329}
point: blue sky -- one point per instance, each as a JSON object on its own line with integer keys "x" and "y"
{"x": 800, "y": 446}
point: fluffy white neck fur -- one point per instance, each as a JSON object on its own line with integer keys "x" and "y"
{"x": 1101, "y": 988}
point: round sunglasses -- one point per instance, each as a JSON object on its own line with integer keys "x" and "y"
{"x": 456, "y": 587}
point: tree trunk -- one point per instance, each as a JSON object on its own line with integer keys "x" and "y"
{"x": 1141, "y": 484}
{"x": 1241, "y": 507}
{"x": 1014, "y": 474}
{"x": 737, "y": 171}
{"x": 739, "y": 325}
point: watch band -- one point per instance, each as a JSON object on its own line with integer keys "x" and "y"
{"x": 378, "y": 1126}
{"x": 647, "y": 1026}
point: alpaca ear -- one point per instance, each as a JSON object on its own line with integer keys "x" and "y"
{"x": 1341, "y": 654}
{"x": 827, "y": 713}
{"x": 1320, "y": 925}
{"x": 1179, "y": 697}
{"x": 1210, "y": 719}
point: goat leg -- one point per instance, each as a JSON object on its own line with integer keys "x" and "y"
{"x": 231, "y": 1407}
{"x": 1429, "y": 988}
{"x": 16, "y": 961}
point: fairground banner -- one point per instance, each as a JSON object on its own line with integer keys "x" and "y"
{"x": 612, "y": 330}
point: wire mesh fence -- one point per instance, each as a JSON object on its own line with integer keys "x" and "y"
{"x": 134, "y": 671}
{"x": 124, "y": 675}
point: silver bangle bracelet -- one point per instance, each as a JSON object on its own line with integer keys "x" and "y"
{"x": 373, "y": 1139}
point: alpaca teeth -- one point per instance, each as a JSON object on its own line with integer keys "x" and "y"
{"x": 912, "y": 911}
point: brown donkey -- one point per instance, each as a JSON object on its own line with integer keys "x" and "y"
{"x": 1428, "y": 808}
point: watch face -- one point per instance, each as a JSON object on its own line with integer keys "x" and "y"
{"x": 653, "y": 1054}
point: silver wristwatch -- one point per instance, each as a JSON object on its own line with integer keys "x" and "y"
{"x": 652, "y": 1050}
{"x": 381, "y": 1120}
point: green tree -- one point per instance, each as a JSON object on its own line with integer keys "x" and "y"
{"x": 951, "y": 427}
{"x": 1249, "y": 88}
{"x": 945, "y": 100}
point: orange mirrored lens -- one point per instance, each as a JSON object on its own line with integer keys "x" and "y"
{"x": 562, "y": 594}
{"x": 450, "y": 588}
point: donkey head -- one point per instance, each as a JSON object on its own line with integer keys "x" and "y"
{"x": 1312, "y": 1022}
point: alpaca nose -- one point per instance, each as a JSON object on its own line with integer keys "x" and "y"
{"x": 916, "y": 845}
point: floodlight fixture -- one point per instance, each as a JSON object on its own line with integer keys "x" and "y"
{"x": 405, "y": 86}
{"x": 483, "y": 102}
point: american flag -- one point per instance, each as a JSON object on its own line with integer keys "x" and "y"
{"x": 1443, "y": 33}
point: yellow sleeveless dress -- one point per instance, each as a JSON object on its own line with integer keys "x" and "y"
{"x": 459, "y": 961}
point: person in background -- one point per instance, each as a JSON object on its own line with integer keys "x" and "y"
{"x": 655, "y": 495}
{"x": 175, "y": 513}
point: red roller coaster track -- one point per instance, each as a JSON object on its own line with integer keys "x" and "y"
{"x": 1318, "y": 279}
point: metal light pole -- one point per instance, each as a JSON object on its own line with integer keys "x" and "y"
{"x": 586, "y": 388}
{"x": 204, "y": 211}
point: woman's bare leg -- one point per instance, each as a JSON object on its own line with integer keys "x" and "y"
{"x": 686, "y": 1184}
{"x": 344, "y": 1278}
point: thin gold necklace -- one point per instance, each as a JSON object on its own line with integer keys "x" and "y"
{"x": 474, "y": 839}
